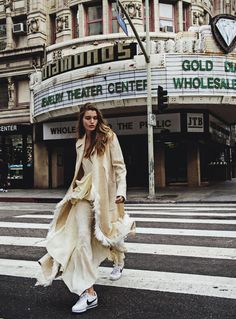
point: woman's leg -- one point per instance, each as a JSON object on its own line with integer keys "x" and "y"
{"x": 84, "y": 217}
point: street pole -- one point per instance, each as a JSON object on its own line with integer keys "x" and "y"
{"x": 150, "y": 116}
{"x": 149, "y": 109}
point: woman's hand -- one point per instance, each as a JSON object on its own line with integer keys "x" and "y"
{"x": 120, "y": 199}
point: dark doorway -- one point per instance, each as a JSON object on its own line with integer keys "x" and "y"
{"x": 176, "y": 162}
{"x": 136, "y": 159}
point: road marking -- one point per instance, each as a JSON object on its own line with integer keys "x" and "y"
{"x": 152, "y": 219}
{"x": 140, "y": 248}
{"x": 23, "y": 225}
{"x": 182, "y": 214}
{"x": 214, "y": 286}
{"x": 140, "y": 230}
{"x": 186, "y": 232}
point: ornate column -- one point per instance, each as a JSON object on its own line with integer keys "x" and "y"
{"x": 180, "y": 16}
{"x": 63, "y": 21}
{"x": 156, "y": 16}
{"x": 81, "y": 15}
{"x": 105, "y": 14}
{"x": 37, "y": 23}
{"x": 9, "y": 24}
{"x": 135, "y": 12}
{"x": 63, "y": 26}
{"x": 197, "y": 14}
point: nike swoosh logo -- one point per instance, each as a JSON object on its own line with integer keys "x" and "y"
{"x": 90, "y": 302}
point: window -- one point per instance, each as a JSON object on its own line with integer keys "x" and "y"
{"x": 185, "y": 17}
{"x": 3, "y": 94}
{"x": 3, "y": 36}
{"x": 151, "y": 16}
{"x": 113, "y": 24}
{"x": 75, "y": 24}
{"x": 94, "y": 19}
{"x": 166, "y": 15}
{"x": 53, "y": 28}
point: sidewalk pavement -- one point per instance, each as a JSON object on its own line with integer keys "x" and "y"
{"x": 219, "y": 192}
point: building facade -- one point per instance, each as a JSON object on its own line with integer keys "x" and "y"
{"x": 57, "y": 55}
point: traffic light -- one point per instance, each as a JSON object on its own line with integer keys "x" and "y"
{"x": 162, "y": 99}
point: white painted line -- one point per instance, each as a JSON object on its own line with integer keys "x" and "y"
{"x": 182, "y": 250}
{"x": 140, "y": 230}
{"x": 200, "y": 214}
{"x": 204, "y": 209}
{"x": 153, "y": 219}
{"x": 186, "y": 221}
{"x": 140, "y": 248}
{"x": 186, "y": 232}
{"x": 39, "y": 216}
{"x": 187, "y": 205}
{"x": 214, "y": 286}
{"x": 22, "y": 241}
{"x": 23, "y": 225}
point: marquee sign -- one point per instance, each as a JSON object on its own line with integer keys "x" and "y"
{"x": 224, "y": 31}
{"x": 117, "y": 52}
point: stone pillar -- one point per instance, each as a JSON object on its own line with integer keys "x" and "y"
{"x": 135, "y": 12}
{"x": 105, "y": 14}
{"x": 156, "y": 16}
{"x": 193, "y": 169}
{"x": 197, "y": 15}
{"x": 37, "y": 23}
{"x": 160, "y": 169}
{"x": 81, "y": 15}
{"x": 9, "y": 25}
{"x": 63, "y": 25}
{"x": 41, "y": 178}
{"x": 180, "y": 16}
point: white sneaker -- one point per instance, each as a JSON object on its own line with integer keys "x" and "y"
{"x": 85, "y": 302}
{"x": 116, "y": 272}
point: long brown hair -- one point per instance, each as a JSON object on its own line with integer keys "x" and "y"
{"x": 100, "y": 135}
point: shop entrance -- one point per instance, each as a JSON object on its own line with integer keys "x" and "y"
{"x": 176, "y": 163}
{"x": 135, "y": 150}
{"x": 62, "y": 157}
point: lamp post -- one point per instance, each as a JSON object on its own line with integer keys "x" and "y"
{"x": 151, "y": 119}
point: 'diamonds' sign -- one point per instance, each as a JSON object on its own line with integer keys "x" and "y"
{"x": 117, "y": 52}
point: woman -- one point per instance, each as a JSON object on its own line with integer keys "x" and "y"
{"x": 89, "y": 224}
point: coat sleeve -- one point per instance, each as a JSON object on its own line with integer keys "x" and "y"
{"x": 118, "y": 165}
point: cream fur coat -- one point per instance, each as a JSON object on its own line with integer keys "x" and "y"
{"x": 112, "y": 224}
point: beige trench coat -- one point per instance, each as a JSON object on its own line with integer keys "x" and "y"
{"x": 112, "y": 224}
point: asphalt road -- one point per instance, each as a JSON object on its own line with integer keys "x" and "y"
{"x": 180, "y": 265}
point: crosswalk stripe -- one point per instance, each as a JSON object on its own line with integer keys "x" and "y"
{"x": 140, "y": 248}
{"x": 140, "y": 230}
{"x": 186, "y": 232}
{"x": 177, "y": 207}
{"x": 182, "y": 214}
{"x": 214, "y": 286}
{"x": 152, "y": 219}
{"x": 23, "y": 225}
{"x": 183, "y": 205}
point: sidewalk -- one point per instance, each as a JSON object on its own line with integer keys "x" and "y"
{"x": 220, "y": 192}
